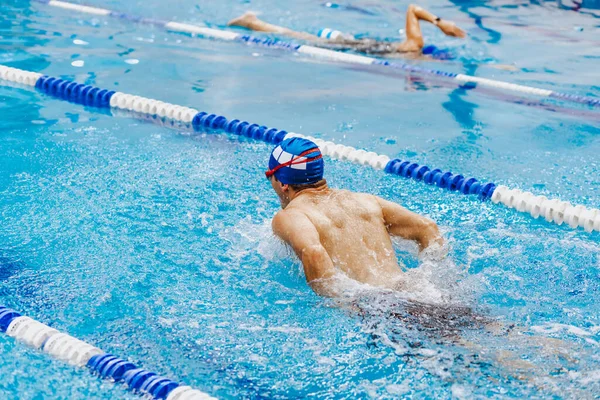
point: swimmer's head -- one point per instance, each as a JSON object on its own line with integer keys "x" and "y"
{"x": 296, "y": 161}
{"x": 295, "y": 164}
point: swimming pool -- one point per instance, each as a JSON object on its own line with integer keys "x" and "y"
{"x": 157, "y": 246}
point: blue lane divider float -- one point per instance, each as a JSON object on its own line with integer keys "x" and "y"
{"x": 325, "y": 53}
{"x": 553, "y": 210}
{"x": 75, "y": 92}
{"x": 79, "y": 353}
{"x": 443, "y": 179}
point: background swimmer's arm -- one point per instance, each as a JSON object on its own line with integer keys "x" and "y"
{"x": 408, "y": 225}
{"x": 414, "y": 37}
{"x": 299, "y": 232}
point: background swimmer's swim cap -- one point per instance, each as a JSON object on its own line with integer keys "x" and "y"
{"x": 296, "y": 161}
{"x": 437, "y": 53}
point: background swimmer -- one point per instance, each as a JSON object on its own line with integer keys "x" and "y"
{"x": 413, "y": 44}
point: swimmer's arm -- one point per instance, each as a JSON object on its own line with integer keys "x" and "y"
{"x": 408, "y": 225}
{"x": 299, "y": 232}
{"x": 414, "y": 37}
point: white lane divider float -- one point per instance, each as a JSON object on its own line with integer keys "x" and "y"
{"x": 80, "y": 354}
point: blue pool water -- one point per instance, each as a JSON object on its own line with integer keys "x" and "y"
{"x": 155, "y": 244}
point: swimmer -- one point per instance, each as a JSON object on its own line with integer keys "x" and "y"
{"x": 413, "y": 44}
{"x": 337, "y": 231}
{"x": 341, "y": 233}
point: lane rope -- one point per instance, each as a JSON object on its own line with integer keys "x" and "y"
{"x": 81, "y": 354}
{"x": 553, "y": 210}
{"x": 327, "y": 54}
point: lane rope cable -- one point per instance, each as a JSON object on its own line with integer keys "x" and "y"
{"x": 553, "y": 210}
{"x": 79, "y": 353}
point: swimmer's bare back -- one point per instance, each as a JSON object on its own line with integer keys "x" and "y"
{"x": 413, "y": 43}
{"x": 338, "y": 231}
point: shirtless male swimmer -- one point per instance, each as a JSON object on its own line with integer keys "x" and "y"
{"x": 334, "y": 231}
{"x": 340, "y": 232}
{"x": 413, "y": 44}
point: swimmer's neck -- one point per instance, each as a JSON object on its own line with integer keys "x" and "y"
{"x": 312, "y": 191}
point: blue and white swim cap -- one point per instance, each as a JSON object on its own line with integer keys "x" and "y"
{"x": 296, "y": 161}
{"x": 327, "y": 33}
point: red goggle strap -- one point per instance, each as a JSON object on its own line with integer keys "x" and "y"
{"x": 295, "y": 161}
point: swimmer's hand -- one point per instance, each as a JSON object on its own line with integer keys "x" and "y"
{"x": 450, "y": 29}
{"x": 436, "y": 252}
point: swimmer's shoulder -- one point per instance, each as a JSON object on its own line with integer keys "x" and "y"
{"x": 286, "y": 214}
{"x": 278, "y": 222}
{"x": 288, "y": 218}
{"x": 293, "y": 211}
